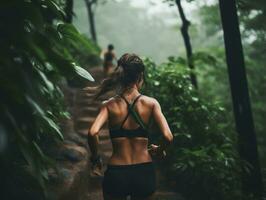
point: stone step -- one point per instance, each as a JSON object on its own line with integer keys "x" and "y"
{"x": 83, "y": 123}
{"x": 73, "y": 159}
{"x": 85, "y": 95}
{"x": 85, "y": 102}
{"x": 105, "y": 142}
{"x": 75, "y": 138}
{"x": 104, "y": 134}
{"x": 107, "y": 148}
{"x": 87, "y": 99}
{"x": 104, "y": 137}
{"x": 90, "y": 94}
{"x": 95, "y": 183}
{"x": 107, "y": 154}
{"x": 70, "y": 182}
{"x": 71, "y": 152}
{"x": 94, "y": 195}
{"x": 97, "y": 81}
{"x": 87, "y": 111}
{"x": 104, "y": 131}
{"x": 83, "y": 133}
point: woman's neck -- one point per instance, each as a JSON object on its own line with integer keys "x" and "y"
{"x": 130, "y": 91}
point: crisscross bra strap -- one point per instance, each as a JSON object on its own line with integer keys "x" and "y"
{"x": 132, "y": 111}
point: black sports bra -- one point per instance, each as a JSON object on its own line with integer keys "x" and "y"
{"x": 141, "y": 131}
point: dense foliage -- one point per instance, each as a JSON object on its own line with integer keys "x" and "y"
{"x": 86, "y": 53}
{"x": 252, "y": 17}
{"x": 214, "y": 82}
{"x": 36, "y": 56}
{"x": 203, "y": 161}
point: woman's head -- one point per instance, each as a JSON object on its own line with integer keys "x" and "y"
{"x": 129, "y": 72}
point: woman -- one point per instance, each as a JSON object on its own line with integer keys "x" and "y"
{"x": 130, "y": 170}
{"x": 108, "y": 57}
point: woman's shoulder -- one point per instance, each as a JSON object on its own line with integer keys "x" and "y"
{"x": 110, "y": 101}
{"x": 149, "y": 100}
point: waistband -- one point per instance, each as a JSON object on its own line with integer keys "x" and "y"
{"x": 110, "y": 166}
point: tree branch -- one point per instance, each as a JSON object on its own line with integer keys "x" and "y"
{"x": 186, "y": 37}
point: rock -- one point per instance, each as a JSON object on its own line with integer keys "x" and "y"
{"x": 72, "y": 155}
{"x": 53, "y": 176}
{"x": 66, "y": 174}
{"x": 77, "y": 140}
{"x": 69, "y": 142}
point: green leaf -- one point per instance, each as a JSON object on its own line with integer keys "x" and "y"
{"x": 54, "y": 8}
{"x": 33, "y": 15}
{"x": 82, "y": 72}
{"x": 52, "y": 125}
{"x": 191, "y": 163}
{"x": 48, "y": 83}
{"x": 36, "y": 107}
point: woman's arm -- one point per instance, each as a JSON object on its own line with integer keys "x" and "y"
{"x": 163, "y": 125}
{"x": 94, "y": 130}
{"x": 99, "y": 121}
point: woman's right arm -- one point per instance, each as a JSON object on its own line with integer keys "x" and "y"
{"x": 93, "y": 139}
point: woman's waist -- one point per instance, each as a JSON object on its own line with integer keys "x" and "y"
{"x": 149, "y": 163}
{"x": 130, "y": 157}
{"x": 121, "y": 150}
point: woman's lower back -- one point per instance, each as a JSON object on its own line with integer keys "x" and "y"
{"x": 127, "y": 151}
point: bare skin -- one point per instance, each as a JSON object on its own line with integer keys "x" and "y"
{"x": 128, "y": 151}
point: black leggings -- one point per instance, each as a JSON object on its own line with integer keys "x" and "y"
{"x": 136, "y": 180}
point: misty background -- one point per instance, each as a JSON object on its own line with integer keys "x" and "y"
{"x": 142, "y": 27}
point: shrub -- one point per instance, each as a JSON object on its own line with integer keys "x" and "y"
{"x": 34, "y": 60}
{"x": 203, "y": 160}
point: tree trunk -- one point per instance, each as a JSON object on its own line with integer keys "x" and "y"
{"x": 186, "y": 37}
{"x": 69, "y": 11}
{"x": 89, "y": 4}
{"x": 252, "y": 183}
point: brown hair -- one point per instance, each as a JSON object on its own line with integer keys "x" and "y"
{"x": 130, "y": 70}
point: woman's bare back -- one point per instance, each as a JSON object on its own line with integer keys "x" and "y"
{"x": 129, "y": 150}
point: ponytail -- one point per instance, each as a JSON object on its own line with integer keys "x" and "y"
{"x": 110, "y": 83}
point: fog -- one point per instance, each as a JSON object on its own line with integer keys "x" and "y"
{"x": 147, "y": 28}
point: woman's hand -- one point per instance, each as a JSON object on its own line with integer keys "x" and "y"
{"x": 156, "y": 151}
{"x": 96, "y": 165}
{"x": 153, "y": 149}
